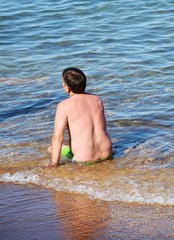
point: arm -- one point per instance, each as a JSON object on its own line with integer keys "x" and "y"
{"x": 58, "y": 135}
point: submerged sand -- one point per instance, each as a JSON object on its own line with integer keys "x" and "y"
{"x": 29, "y": 212}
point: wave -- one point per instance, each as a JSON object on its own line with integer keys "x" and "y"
{"x": 102, "y": 181}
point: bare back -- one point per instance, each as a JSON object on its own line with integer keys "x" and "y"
{"x": 87, "y": 127}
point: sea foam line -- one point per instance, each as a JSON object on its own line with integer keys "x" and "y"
{"x": 20, "y": 177}
{"x": 93, "y": 190}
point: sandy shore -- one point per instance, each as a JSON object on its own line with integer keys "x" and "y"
{"x": 29, "y": 212}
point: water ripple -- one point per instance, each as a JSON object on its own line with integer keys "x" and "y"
{"x": 125, "y": 49}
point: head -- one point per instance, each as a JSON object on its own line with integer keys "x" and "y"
{"x": 74, "y": 79}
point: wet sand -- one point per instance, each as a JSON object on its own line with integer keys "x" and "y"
{"x": 29, "y": 212}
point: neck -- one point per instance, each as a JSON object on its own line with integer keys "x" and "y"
{"x": 71, "y": 94}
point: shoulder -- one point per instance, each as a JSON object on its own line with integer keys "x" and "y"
{"x": 97, "y": 99}
{"x": 64, "y": 103}
{"x": 94, "y": 97}
{"x": 63, "y": 106}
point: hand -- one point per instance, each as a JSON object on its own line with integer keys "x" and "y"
{"x": 52, "y": 165}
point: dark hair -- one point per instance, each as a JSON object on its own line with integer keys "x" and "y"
{"x": 75, "y": 79}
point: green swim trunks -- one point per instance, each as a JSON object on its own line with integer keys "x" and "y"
{"x": 66, "y": 153}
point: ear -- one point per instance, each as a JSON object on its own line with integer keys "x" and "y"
{"x": 67, "y": 89}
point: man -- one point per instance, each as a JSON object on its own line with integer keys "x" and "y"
{"x": 83, "y": 115}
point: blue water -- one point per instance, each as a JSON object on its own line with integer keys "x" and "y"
{"x": 126, "y": 50}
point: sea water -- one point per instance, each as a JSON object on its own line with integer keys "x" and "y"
{"x": 126, "y": 50}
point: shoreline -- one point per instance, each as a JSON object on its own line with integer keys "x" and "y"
{"x": 74, "y": 216}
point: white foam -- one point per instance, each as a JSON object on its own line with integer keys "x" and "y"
{"x": 137, "y": 194}
{"x": 20, "y": 177}
{"x": 108, "y": 192}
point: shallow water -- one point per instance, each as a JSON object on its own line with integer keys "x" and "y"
{"x": 125, "y": 48}
{"x": 34, "y": 213}
{"x": 103, "y": 181}
{"x": 28, "y": 213}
